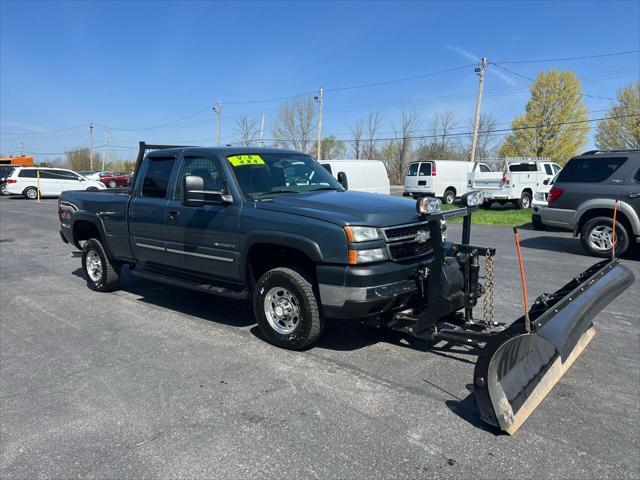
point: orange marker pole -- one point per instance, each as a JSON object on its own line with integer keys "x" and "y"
{"x": 613, "y": 232}
{"x": 527, "y": 320}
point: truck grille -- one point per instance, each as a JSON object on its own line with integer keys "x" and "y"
{"x": 407, "y": 250}
{"x": 402, "y": 243}
{"x": 404, "y": 232}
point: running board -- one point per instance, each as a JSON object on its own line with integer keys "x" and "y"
{"x": 192, "y": 284}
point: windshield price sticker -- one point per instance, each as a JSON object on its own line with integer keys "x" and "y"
{"x": 239, "y": 160}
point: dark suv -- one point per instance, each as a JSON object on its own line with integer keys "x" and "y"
{"x": 584, "y": 194}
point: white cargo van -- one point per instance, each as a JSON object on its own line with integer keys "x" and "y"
{"x": 518, "y": 181}
{"x": 446, "y": 179}
{"x": 360, "y": 175}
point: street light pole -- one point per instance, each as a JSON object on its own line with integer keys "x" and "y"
{"x": 476, "y": 124}
{"x": 91, "y": 145}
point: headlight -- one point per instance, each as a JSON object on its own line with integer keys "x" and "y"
{"x": 427, "y": 205}
{"x": 361, "y": 234}
{"x": 366, "y": 256}
{"x": 475, "y": 198}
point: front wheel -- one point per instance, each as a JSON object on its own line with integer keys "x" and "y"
{"x": 112, "y": 184}
{"x": 596, "y": 237}
{"x": 286, "y": 309}
{"x": 100, "y": 273}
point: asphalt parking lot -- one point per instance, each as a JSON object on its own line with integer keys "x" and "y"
{"x": 154, "y": 381}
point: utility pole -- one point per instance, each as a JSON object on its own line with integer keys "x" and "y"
{"x": 21, "y": 148}
{"x": 91, "y": 145}
{"x": 476, "y": 124}
{"x": 106, "y": 142}
{"x": 262, "y": 130}
{"x": 318, "y": 98}
{"x": 218, "y": 110}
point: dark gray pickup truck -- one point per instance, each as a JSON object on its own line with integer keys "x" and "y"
{"x": 275, "y": 227}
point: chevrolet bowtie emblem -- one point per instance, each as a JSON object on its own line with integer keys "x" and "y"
{"x": 422, "y": 236}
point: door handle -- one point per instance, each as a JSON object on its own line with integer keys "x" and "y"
{"x": 633, "y": 195}
{"x": 173, "y": 215}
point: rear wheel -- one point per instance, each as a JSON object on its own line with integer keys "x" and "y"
{"x": 112, "y": 184}
{"x": 100, "y": 273}
{"x": 30, "y": 193}
{"x": 525, "y": 201}
{"x": 92, "y": 189}
{"x": 449, "y": 197}
{"x": 286, "y": 309}
{"x": 596, "y": 237}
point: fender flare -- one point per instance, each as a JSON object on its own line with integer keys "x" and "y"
{"x": 96, "y": 221}
{"x": 600, "y": 203}
{"x": 307, "y": 246}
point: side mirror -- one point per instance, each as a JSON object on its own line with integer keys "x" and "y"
{"x": 546, "y": 181}
{"x": 194, "y": 193}
{"x": 342, "y": 180}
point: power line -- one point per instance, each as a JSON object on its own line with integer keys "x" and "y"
{"x": 84, "y": 125}
{"x": 389, "y": 82}
{"x": 532, "y": 80}
{"x": 584, "y": 57}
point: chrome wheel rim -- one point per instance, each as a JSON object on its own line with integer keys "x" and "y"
{"x": 112, "y": 184}
{"x": 526, "y": 202}
{"x": 93, "y": 265}
{"x": 32, "y": 193}
{"x": 450, "y": 198}
{"x": 282, "y": 310}
{"x": 600, "y": 238}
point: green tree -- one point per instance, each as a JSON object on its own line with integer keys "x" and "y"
{"x": 78, "y": 159}
{"x": 621, "y": 133}
{"x": 554, "y": 124}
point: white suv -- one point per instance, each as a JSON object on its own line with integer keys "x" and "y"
{"x": 51, "y": 182}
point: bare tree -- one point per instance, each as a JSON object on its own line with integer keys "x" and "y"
{"x": 332, "y": 148}
{"x": 400, "y": 147}
{"x": 247, "y": 130}
{"x": 374, "y": 122}
{"x": 356, "y": 146}
{"x": 295, "y": 124}
{"x": 78, "y": 159}
{"x": 487, "y": 145}
{"x": 439, "y": 143}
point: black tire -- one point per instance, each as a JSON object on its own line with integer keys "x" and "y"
{"x": 449, "y": 197}
{"x": 487, "y": 204}
{"x": 109, "y": 275}
{"x": 525, "y": 201}
{"x": 92, "y": 189}
{"x": 595, "y": 227}
{"x": 30, "y": 193}
{"x": 293, "y": 334}
{"x": 537, "y": 223}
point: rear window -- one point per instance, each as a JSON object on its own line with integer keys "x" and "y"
{"x": 156, "y": 178}
{"x": 523, "y": 167}
{"x": 27, "y": 174}
{"x": 327, "y": 167}
{"x": 590, "y": 169}
{"x": 425, "y": 170}
{"x": 413, "y": 170}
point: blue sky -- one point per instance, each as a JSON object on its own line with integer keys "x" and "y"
{"x": 132, "y": 65}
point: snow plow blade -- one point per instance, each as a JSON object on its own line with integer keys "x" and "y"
{"x": 516, "y": 369}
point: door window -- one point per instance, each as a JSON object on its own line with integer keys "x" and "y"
{"x": 156, "y": 177}
{"x": 67, "y": 175}
{"x": 425, "y": 170}
{"x": 201, "y": 167}
{"x": 49, "y": 175}
{"x": 484, "y": 168}
{"x": 547, "y": 169}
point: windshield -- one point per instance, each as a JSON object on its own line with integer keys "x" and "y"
{"x": 268, "y": 174}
